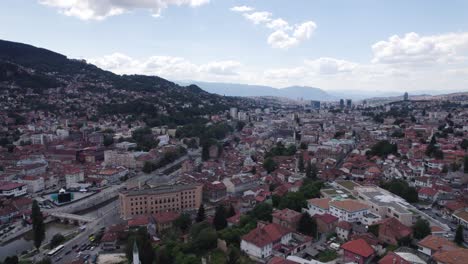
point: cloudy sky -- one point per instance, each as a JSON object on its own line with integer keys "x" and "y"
{"x": 367, "y": 45}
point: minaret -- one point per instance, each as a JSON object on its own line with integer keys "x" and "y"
{"x": 136, "y": 257}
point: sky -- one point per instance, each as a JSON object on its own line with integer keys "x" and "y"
{"x": 353, "y": 45}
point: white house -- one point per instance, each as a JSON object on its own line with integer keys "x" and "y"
{"x": 259, "y": 242}
{"x": 12, "y": 189}
{"x": 349, "y": 210}
{"x": 34, "y": 183}
{"x": 318, "y": 206}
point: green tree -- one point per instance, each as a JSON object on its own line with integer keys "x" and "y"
{"x": 464, "y": 144}
{"x": 262, "y": 212}
{"x": 56, "y": 240}
{"x": 200, "y": 214}
{"x": 459, "y": 239}
{"x": 148, "y": 167}
{"x": 206, "y": 151}
{"x": 269, "y": 165}
{"x": 183, "y": 222}
{"x": 465, "y": 164}
{"x": 108, "y": 140}
{"x": 421, "y": 229}
{"x": 219, "y": 220}
{"x": 11, "y": 260}
{"x": 294, "y": 201}
{"x": 204, "y": 240}
{"x": 233, "y": 255}
{"x": 300, "y": 164}
{"x": 145, "y": 249}
{"x": 311, "y": 171}
{"x": 38, "y": 226}
{"x": 303, "y": 146}
{"x": 231, "y": 212}
{"x": 307, "y": 225}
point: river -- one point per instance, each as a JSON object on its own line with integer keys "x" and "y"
{"x": 25, "y": 242}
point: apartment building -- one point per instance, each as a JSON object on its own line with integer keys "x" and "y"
{"x": 386, "y": 204}
{"x": 174, "y": 198}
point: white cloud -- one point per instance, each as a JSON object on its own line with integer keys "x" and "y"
{"x": 415, "y": 50}
{"x": 221, "y": 67}
{"x": 283, "y": 40}
{"x": 304, "y": 30}
{"x": 242, "y": 8}
{"x": 330, "y": 66}
{"x": 284, "y": 36}
{"x": 101, "y": 9}
{"x": 279, "y": 24}
{"x": 258, "y": 17}
{"x": 175, "y": 68}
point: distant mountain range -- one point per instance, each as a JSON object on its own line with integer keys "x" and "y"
{"x": 292, "y": 92}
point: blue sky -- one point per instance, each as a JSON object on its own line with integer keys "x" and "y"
{"x": 390, "y": 45}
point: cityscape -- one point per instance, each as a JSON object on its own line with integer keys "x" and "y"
{"x": 109, "y": 160}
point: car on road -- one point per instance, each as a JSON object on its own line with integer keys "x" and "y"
{"x": 68, "y": 252}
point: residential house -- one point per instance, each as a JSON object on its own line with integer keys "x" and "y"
{"x": 287, "y": 218}
{"x": 357, "y": 251}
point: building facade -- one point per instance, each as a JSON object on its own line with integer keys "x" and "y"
{"x": 174, "y": 198}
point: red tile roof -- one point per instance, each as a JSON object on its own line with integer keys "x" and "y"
{"x": 166, "y": 217}
{"x": 326, "y": 218}
{"x": 392, "y": 258}
{"x": 358, "y": 247}
{"x": 262, "y": 236}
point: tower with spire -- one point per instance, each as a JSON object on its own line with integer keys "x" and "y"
{"x": 136, "y": 257}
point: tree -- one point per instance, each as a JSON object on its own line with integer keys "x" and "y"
{"x": 294, "y": 201}
{"x": 311, "y": 171}
{"x": 206, "y": 152}
{"x": 464, "y": 144}
{"x": 262, "y": 212}
{"x": 183, "y": 222}
{"x": 11, "y": 260}
{"x": 459, "y": 239}
{"x": 307, "y": 225}
{"x": 465, "y": 164}
{"x": 219, "y": 220}
{"x": 303, "y": 145}
{"x": 207, "y": 239}
{"x": 148, "y": 167}
{"x": 38, "y": 226}
{"x": 145, "y": 249}
{"x": 269, "y": 165}
{"x": 231, "y": 212}
{"x": 240, "y": 125}
{"x": 108, "y": 140}
{"x": 56, "y": 240}
{"x": 300, "y": 165}
{"x": 421, "y": 229}
{"x": 233, "y": 255}
{"x": 200, "y": 214}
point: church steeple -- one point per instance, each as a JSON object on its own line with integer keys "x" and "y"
{"x": 136, "y": 257}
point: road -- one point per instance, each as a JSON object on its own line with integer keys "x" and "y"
{"x": 107, "y": 218}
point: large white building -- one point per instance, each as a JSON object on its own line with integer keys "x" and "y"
{"x": 12, "y": 189}
{"x": 349, "y": 210}
{"x": 34, "y": 183}
{"x": 386, "y": 204}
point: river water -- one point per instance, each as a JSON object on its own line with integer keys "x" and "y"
{"x": 25, "y": 242}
